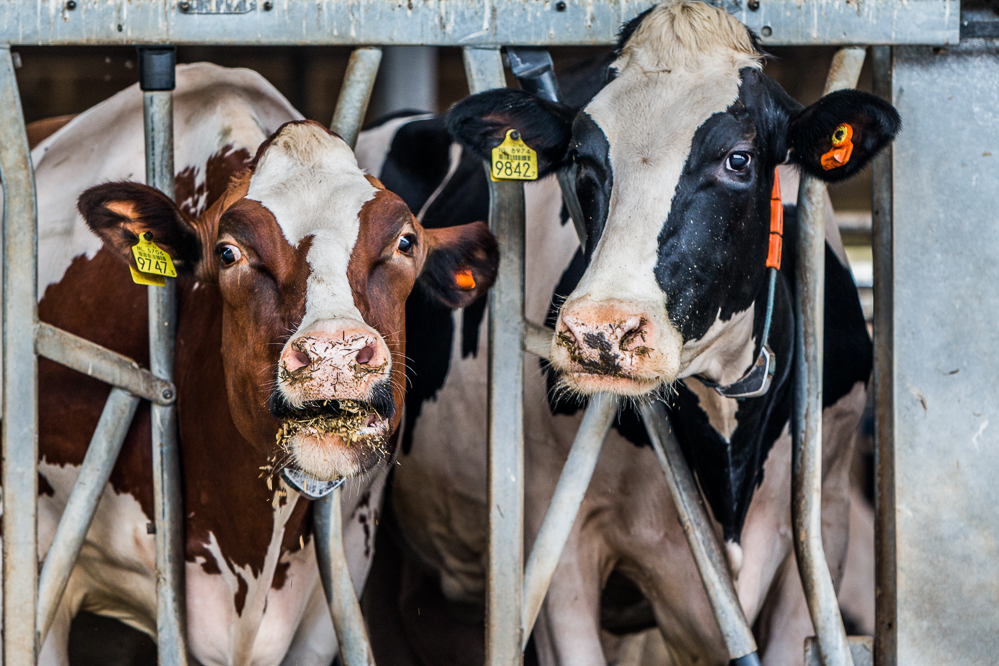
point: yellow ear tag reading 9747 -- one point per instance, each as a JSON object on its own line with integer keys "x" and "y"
{"x": 513, "y": 159}
{"x": 154, "y": 264}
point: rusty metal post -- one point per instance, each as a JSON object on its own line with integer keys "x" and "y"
{"x": 20, "y": 377}
{"x": 806, "y": 506}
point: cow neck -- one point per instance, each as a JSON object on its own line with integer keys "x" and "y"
{"x": 756, "y": 381}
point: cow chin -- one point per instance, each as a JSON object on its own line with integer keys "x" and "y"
{"x": 327, "y": 456}
{"x": 588, "y": 383}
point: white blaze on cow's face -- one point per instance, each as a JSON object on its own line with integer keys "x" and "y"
{"x": 680, "y": 67}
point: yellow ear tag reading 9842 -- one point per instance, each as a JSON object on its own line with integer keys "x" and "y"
{"x": 154, "y": 264}
{"x": 513, "y": 159}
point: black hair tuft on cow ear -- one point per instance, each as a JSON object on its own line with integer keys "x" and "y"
{"x": 461, "y": 264}
{"x": 120, "y": 212}
{"x": 837, "y": 136}
{"x": 480, "y": 123}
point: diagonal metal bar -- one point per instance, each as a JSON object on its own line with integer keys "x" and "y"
{"x": 701, "y": 537}
{"x": 101, "y": 363}
{"x": 355, "y": 92}
{"x": 82, "y": 504}
{"x": 337, "y": 583}
{"x": 564, "y": 506}
{"x": 20, "y": 376}
{"x": 806, "y": 505}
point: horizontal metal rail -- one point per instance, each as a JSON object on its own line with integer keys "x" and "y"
{"x": 453, "y": 22}
{"x": 101, "y": 363}
{"x": 82, "y": 504}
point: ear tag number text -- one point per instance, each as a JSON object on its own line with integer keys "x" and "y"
{"x": 152, "y": 262}
{"x": 513, "y": 159}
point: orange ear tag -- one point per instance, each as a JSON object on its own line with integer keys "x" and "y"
{"x": 776, "y": 224}
{"x": 463, "y": 278}
{"x": 839, "y": 154}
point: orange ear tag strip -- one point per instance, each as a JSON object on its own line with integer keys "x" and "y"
{"x": 776, "y": 224}
{"x": 839, "y": 154}
{"x": 463, "y": 278}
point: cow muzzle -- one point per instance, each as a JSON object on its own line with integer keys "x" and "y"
{"x": 614, "y": 347}
{"x": 334, "y": 400}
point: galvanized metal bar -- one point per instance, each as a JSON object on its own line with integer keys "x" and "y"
{"x": 505, "y": 575}
{"x": 337, "y": 583}
{"x": 20, "y": 377}
{"x": 355, "y": 92}
{"x": 156, "y": 68}
{"x": 885, "y": 611}
{"x": 458, "y": 22}
{"x": 806, "y": 506}
{"x": 701, "y": 537}
{"x": 564, "y": 506}
{"x": 101, "y": 363}
{"x": 537, "y": 339}
{"x": 82, "y": 504}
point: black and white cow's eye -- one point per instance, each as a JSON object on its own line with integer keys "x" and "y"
{"x": 406, "y": 243}
{"x": 738, "y": 161}
{"x": 229, "y": 254}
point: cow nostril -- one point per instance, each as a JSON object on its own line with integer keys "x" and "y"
{"x": 366, "y": 354}
{"x": 296, "y": 360}
{"x": 633, "y": 333}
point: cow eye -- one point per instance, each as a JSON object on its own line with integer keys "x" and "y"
{"x": 738, "y": 161}
{"x": 229, "y": 254}
{"x": 406, "y": 243}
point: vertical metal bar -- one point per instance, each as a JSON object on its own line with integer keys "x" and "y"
{"x": 337, "y": 583}
{"x": 156, "y": 74}
{"x": 20, "y": 377}
{"x": 327, "y": 520}
{"x": 700, "y": 533}
{"x": 885, "y": 643}
{"x": 355, "y": 92}
{"x": 564, "y": 507}
{"x": 79, "y": 512}
{"x": 806, "y": 507}
{"x": 505, "y": 575}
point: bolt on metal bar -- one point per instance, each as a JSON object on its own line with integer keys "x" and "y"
{"x": 355, "y": 92}
{"x": 101, "y": 363}
{"x": 885, "y": 605}
{"x": 701, "y": 537}
{"x": 806, "y": 506}
{"x": 327, "y": 521}
{"x": 564, "y": 506}
{"x": 82, "y": 504}
{"x": 337, "y": 583}
{"x": 505, "y": 573}
{"x": 20, "y": 377}
{"x": 156, "y": 74}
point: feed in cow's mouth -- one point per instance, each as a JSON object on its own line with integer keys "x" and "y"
{"x": 349, "y": 420}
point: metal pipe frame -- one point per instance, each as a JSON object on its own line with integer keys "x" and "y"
{"x": 168, "y": 508}
{"x": 20, "y": 377}
{"x": 82, "y": 504}
{"x": 327, "y": 519}
{"x": 806, "y": 506}
{"x": 505, "y": 574}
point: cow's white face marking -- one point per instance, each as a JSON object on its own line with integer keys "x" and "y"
{"x": 679, "y": 68}
{"x": 309, "y": 180}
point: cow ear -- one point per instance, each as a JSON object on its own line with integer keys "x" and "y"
{"x": 838, "y": 135}
{"x": 121, "y": 213}
{"x": 461, "y": 263}
{"x": 480, "y": 123}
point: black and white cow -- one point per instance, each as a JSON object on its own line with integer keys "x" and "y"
{"x": 674, "y": 160}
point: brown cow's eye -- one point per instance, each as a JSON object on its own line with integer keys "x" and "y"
{"x": 406, "y": 243}
{"x": 229, "y": 254}
{"x": 738, "y": 161}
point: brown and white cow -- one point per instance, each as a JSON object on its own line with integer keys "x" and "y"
{"x": 673, "y": 153}
{"x": 294, "y": 269}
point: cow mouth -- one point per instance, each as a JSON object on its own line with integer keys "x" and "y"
{"x": 348, "y": 420}
{"x": 589, "y": 383}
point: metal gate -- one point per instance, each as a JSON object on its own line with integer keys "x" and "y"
{"x": 514, "y": 593}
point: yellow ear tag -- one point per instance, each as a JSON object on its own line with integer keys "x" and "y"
{"x": 513, "y": 159}
{"x": 152, "y": 261}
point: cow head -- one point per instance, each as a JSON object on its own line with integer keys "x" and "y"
{"x": 314, "y": 262}
{"x": 674, "y": 164}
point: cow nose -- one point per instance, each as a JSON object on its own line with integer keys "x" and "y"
{"x": 334, "y": 361}
{"x": 614, "y": 334}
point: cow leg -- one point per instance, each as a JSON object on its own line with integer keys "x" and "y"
{"x": 567, "y": 632}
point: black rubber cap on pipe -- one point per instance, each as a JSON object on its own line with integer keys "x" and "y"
{"x": 157, "y": 68}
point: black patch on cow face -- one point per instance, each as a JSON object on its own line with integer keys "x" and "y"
{"x": 589, "y": 157}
